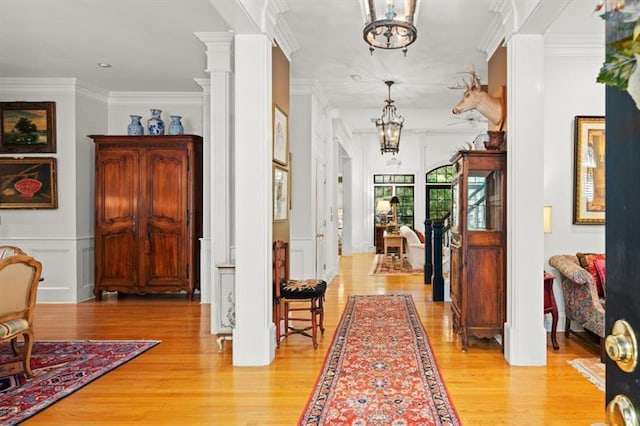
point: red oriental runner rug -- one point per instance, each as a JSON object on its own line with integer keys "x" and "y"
{"x": 60, "y": 368}
{"x": 380, "y": 370}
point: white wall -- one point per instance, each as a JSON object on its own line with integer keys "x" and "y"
{"x": 60, "y": 238}
{"x": 570, "y": 69}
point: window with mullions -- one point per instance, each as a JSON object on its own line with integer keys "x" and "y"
{"x": 385, "y": 187}
{"x": 438, "y": 189}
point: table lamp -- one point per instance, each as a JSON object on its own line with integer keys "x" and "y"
{"x": 382, "y": 208}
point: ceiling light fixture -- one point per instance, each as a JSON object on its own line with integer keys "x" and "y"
{"x": 390, "y": 31}
{"x": 389, "y": 126}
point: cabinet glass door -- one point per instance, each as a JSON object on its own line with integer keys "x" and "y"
{"x": 484, "y": 200}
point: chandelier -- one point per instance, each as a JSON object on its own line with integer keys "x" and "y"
{"x": 389, "y": 126}
{"x": 389, "y": 31}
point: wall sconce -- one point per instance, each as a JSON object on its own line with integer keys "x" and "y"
{"x": 547, "y": 219}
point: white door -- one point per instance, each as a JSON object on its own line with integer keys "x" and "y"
{"x": 321, "y": 219}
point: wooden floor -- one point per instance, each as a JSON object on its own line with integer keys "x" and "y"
{"x": 185, "y": 381}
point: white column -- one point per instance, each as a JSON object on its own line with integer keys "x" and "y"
{"x": 217, "y": 151}
{"x": 525, "y": 335}
{"x": 254, "y": 334}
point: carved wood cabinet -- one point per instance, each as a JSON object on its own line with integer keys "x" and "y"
{"x": 148, "y": 213}
{"x": 478, "y": 241}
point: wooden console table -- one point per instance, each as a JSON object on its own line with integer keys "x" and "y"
{"x": 391, "y": 241}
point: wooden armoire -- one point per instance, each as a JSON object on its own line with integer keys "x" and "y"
{"x": 148, "y": 213}
{"x": 478, "y": 244}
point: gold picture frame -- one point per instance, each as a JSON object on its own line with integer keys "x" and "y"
{"x": 28, "y": 183}
{"x": 280, "y": 193}
{"x": 280, "y": 136}
{"x": 589, "y": 171}
{"x": 27, "y": 127}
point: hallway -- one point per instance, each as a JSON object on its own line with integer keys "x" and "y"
{"x": 184, "y": 380}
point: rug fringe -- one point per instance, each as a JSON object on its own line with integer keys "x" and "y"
{"x": 591, "y": 375}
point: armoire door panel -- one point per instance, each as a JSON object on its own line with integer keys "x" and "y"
{"x": 166, "y": 195}
{"x": 118, "y": 259}
{"x": 165, "y": 264}
{"x": 483, "y": 290}
{"x": 118, "y": 188}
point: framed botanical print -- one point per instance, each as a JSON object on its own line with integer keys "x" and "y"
{"x": 280, "y": 193}
{"x": 28, "y": 127}
{"x": 28, "y": 183}
{"x": 589, "y": 168}
{"x": 280, "y": 136}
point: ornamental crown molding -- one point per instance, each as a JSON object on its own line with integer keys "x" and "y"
{"x": 574, "y": 45}
{"x": 277, "y": 27}
{"x": 167, "y": 98}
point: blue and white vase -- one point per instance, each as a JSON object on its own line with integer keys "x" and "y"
{"x": 155, "y": 123}
{"x": 135, "y": 127}
{"x": 175, "y": 126}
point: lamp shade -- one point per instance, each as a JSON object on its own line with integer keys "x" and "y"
{"x": 394, "y": 200}
{"x": 383, "y": 206}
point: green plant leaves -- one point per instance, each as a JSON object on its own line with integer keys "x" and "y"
{"x": 616, "y": 70}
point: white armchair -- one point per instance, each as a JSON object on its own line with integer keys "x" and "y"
{"x": 415, "y": 249}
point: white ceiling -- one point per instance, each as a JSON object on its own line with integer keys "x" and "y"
{"x": 151, "y": 46}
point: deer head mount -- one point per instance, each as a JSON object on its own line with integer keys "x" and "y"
{"x": 491, "y": 107}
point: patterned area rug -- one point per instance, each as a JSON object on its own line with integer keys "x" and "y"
{"x": 382, "y": 266}
{"x": 592, "y": 369}
{"x": 380, "y": 370}
{"x": 59, "y": 368}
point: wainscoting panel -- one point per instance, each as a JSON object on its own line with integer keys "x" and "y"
{"x": 301, "y": 253}
{"x": 67, "y": 267}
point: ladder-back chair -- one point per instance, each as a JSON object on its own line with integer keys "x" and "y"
{"x": 292, "y": 297}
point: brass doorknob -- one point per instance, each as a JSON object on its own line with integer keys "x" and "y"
{"x": 621, "y": 412}
{"x": 622, "y": 347}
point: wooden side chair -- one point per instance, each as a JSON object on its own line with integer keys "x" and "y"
{"x": 292, "y": 297}
{"x": 19, "y": 278}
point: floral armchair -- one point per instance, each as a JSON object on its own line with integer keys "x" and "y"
{"x": 581, "y": 300}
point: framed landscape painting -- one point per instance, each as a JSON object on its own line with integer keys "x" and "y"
{"x": 27, "y": 127}
{"x": 28, "y": 183}
{"x": 589, "y": 166}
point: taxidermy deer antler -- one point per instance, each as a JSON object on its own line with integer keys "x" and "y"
{"x": 491, "y": 107}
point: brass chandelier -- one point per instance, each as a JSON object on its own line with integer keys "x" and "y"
{"x": 389, "y": 31}
{"x": 389, "y": 126}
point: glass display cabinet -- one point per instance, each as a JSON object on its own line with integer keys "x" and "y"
{"x": 478, "y": 240}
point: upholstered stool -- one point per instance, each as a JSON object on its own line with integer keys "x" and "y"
{"x": 291, "y": 297}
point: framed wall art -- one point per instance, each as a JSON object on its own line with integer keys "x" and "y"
{"x": 280, "y": 136}
{"x": 280, "y": 193}
{"x": 28, "y": 127}
{"x": 589, "y": 168}
{"x": 28, "y": 183}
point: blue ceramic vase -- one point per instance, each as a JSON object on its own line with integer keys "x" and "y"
{"x": 155, "y": 123}
{"x": 175, "y": 126}
{"x": 135, "y": 127}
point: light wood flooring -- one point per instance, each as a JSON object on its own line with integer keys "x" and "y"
{"x": 185, "y": 381}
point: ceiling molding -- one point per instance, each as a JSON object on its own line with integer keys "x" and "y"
{"x": 169, "y": 98}
{"x": 277, "y": 26}
{"x": 493, "y": 37}
{"x": 575, "y": 45}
